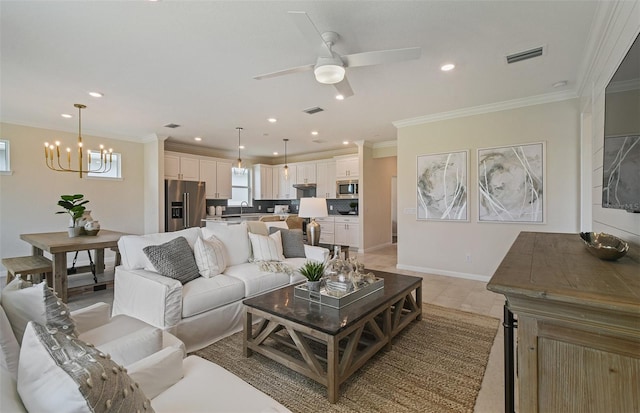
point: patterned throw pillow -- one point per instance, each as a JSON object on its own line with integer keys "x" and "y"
{"x": 210, "y": 256}
{"x": 60, "y": 373}
{"x": 266, "y": 248}
{"x": 292, "y": 242}
{"x": 173, "y": 259}
{"x": 24, "y": 302}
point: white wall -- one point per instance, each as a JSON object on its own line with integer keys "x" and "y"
{"x": 443, "y": 247}
{"x": 622, "y": 26}
{"x": 29, "y": 197}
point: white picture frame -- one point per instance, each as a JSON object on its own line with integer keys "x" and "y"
{"x": 443, "y": 186}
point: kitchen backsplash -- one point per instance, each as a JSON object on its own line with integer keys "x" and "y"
{"x": 261, "y": 206}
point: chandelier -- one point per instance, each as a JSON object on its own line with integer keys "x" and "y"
{"x": 57, "y": 165}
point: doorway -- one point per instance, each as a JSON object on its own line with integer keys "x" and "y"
{"x": 394, "y": 209}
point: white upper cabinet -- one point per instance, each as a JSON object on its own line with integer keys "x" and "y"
{"x": 347, "y": 167}
{"x": 306, "y": 173}
{"x": 183, "y": 167}
{"x": 263, "y": 182}
{"x": 217, "y": 178}
{"x": 326, "y": 179}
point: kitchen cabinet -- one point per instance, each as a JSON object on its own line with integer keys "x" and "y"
{"x": 347, "y": 167}
{"x": 326, "y": 180}
{"x": 306, "y": 173}
{"x": 263, "y": 182}
{"x": 347, "y": 231}
{"x": 182, "y": 167}
{"x": 326, "y": 230}
{"x": 285, "y": 183}
{"x": 578, "y": 341}
{"x": 217, "y": 177}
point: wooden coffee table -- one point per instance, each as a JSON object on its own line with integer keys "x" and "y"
{"x": 326, "y": 344}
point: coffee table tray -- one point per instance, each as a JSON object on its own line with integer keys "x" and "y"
{"x": 324, "y": 297}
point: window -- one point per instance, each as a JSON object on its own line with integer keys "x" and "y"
{"x": 5, "y": 165}
{"x": 240, "y": 187}
{"x": 94, "y": 164}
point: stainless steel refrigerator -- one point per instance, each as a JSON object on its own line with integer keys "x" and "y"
{"x": 185, "y": 204}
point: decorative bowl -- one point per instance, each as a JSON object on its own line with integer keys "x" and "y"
{"x": 604, "y": 246}
{"x": 346, "y": 212}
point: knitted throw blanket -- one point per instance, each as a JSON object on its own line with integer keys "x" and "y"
{"x": 274, "y": 266}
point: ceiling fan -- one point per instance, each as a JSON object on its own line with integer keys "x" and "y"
{"x": 330, "y": 67}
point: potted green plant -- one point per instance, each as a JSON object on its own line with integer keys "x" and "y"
{"x": 353, "y": 206}
{"x": 74, "y": 206}
{"x": 313, "y": 272}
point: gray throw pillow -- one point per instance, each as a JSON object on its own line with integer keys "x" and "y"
{"x": 173, "y": 259}
{"x": 292, "y": 244}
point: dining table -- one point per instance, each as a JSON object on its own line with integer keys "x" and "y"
{"x": 58, "y": 244}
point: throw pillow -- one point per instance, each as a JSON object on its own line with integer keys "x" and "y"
{"x": 9, "y": 348}
{"x": 210, "y": 256}
{"x": 235, "y": 239}
{"x": 173, "y": 259}
{"x": 266, "y": 248}
{"x": 292, "y": 242}
{"x": 24, "y": 302}
{"x": 60, "y": 373}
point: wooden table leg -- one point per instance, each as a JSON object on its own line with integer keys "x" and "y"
{"x": 333, "y": 360}
{"x": 99, "y": 253}
{"x": 246, "y": 351}
{"x": 59, "y": 263}
{"x": 419, "y": 301}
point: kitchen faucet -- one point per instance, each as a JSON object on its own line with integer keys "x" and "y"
{"x": 245, "y": 203}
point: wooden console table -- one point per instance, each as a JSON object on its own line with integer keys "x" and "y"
{"x": 58, "y": 244}
{"x": 578, "y": 326}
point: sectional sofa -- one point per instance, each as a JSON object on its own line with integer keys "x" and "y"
{"x": 208, "y": 308}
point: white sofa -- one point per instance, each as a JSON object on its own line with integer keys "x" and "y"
{"x": 204, "y": 310}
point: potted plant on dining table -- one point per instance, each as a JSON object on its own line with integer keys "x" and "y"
{"x": 74, "y": 206}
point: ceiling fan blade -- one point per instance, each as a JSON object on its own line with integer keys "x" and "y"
{"x": 344, "y": 88}
{"x": 381, "y": 56}
{"x": 310, "y": 32}
{"x": 285, "y": 72}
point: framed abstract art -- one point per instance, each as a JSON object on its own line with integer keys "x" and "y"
{"x": 443, "y": 186}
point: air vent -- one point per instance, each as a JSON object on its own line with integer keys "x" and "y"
{"x": 527, "y": 54}
{"x": 313, "y": 110}
{"x": 171, "y": 125}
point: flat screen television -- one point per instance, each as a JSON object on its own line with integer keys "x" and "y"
{"x": 621, "y": 159}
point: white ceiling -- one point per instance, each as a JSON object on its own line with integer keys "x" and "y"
{"x": 193, "y": 62}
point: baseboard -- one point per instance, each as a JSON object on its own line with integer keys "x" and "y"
{"x": 435, "y": 271}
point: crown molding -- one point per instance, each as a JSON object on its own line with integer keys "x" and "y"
{"x": 85, "y": 131}
{"x": 491, "y": 107}
{"x": 385, "y": 144}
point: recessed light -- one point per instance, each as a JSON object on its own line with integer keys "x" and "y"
{"x": 345, "y": 142}
{"x": 96, "y": 94}
{"x": 447, "y": 67}
{"x": 560, "y": 83}
{"x": 241, "y": 146}
{"x": 272, "y": 120}
{"x": 197, "y": 138}
{"x": 66, "y": 115}
{"x": 339, "y": 97}
{"x": 314, "y": 132}
{"x": 275, "y": 153}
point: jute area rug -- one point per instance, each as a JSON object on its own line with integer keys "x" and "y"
{"x": 435, "y": 365}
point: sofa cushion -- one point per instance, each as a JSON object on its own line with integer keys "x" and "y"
{"x": 204, "y": 294}
{"x": 125, "y": 338}
{"x": 255, "y": 280}
{"x": 24, "y": 302}
{"x": 292, "y": 242}
{"x": 266, "y": 248}
{"x": 9, "y": 348}
{"x": 158, "y": 372}
{"x": 130, "y": 246}
{"x": 9, "y": 397}
{"x": 60, "y": 373}
{"x": 210, "y": 256}
{"x": 173, "y": 259}
{"x": 235, "y": 239}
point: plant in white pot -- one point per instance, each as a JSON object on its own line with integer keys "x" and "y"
{"x": 313, "y": 271}
{"x": 74, "y": 206}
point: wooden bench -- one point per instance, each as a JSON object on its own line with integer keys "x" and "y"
{"x": 29, "y": 265}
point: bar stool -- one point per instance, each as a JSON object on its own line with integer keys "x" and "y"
{"x": 29, "y": 265}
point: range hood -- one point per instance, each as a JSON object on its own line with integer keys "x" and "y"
{"x": 304, "y": 186}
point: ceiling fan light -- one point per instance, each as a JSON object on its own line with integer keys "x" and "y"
{"x": 329, "y": 74}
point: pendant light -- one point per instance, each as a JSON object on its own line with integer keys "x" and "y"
{"x": 239, "y": 166}
{"x": 286, "y": 167}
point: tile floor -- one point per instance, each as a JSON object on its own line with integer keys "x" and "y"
{"x": 467, "y": 295}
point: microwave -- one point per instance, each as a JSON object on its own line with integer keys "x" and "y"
{"x": 347, "y": 189}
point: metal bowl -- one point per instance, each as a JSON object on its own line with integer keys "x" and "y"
{"x": 604, "y": 246}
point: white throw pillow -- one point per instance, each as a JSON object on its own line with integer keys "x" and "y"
{"x": 60, "y": 373}
{"x": 267, "y": 248}
{"x": 235, "y": 238}
{"x": 23, "y": 303}
{"x": 210, "y": 256}
{"x": 9, "y": 348}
